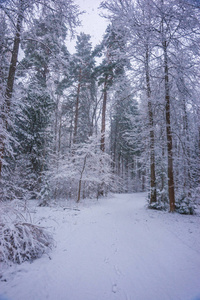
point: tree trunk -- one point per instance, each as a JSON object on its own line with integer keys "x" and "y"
{"x": 169, "y": 133}
{"x": 103, "y": 122}
{"x": 80, "y": 180}
{"x": 77, "y": 107}
{"x": 152, "y": 137}
{"x": 13, "y": 64}
{"x": 187, "y": 164}
{"x": 103, "y": 129}
{"x": 11, "y": 78}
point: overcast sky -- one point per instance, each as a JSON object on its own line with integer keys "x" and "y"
{"x": 92, "y": 23}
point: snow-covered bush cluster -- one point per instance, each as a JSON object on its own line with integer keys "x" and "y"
{"x": 83, "y": 173}
{"x": 185, "y": 206}
{"x": 20, "y": 239}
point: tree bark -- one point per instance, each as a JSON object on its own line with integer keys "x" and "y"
{"x": 11, "y": 78}
{"x": 103, "y": 121}
{"x": 13, "y": 63}
{"x": 77, "y": 107}
{"x": 80, "y": 180}
{"x": 103, "y": 128}
{"x": 153, "y": 197}
{"x": 169, "y": 132}
{"x": 187, "y": 164}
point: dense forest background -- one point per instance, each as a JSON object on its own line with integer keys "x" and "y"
{"x": 123, "y": 116}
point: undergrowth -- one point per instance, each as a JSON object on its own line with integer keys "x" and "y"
{"x": 20, "y": 239}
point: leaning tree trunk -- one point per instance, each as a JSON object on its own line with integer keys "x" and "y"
{"x": 168, "y": 131}
{"x": 80, "y": 180}
{"x": 10, "y": 80}
{"x": 151, "y": 133}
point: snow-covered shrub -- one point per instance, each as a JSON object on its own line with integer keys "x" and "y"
{"x": 185, "y": 205}
{"x": 84, "y": 172}
{"x": 157, "y": 206}
{"x": 162, "y": 201}
{"x": 44, "y": 194}
{"x": 21, "y": 240}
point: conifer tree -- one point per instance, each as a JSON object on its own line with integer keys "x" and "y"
{"x": 82, "y": 74}
{"x": 16, "y": 16}
{"x": 111, "y": 68}
{"x": 125, "y": 137}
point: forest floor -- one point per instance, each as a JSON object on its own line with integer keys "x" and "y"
{"x": 111, "y": 249}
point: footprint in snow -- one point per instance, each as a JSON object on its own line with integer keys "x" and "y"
{"x": 114, "y": 288}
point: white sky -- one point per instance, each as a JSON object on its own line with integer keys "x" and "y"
{"x": 92, "y": 23}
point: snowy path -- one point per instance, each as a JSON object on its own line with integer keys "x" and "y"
{"x": 114, "y": 249}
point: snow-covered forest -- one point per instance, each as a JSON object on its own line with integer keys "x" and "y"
{"x": 121, "y": 116}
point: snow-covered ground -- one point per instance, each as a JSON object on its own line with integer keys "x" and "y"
{"x": 113, "y": 249}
